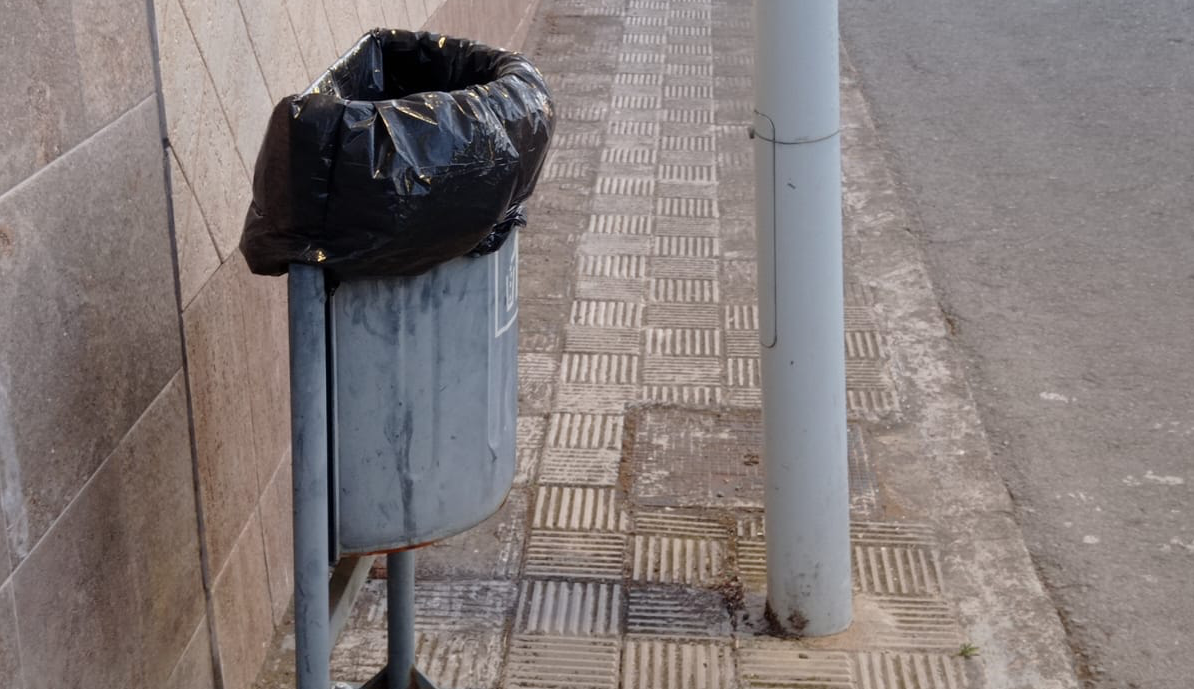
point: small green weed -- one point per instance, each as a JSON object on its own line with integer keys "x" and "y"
{"x": 967, "y": 651}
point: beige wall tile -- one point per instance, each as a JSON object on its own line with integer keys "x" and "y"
{"x": 417, "y": 12}
{"x": 113, "y": 592}
{"x": 159, "y": 11}
{"x": 42, "y": 115}
{"x": 111, "y": 39}
{"x": 223, "y": 40}
{"x": 278, "y": 527}
{"x": 222, "y": 185}
{"x": 433, "y": 6}
{"x": 501, "y": 23}
{"x": 91, "y": 329}
{"x": 197, "y": 257}
{"x": 344, "y": 23}
{"x": 183, "y": 76}
{"x": 194, "y": 668}
{"x": 276, "y": 45}
{"x": 218, "y": 370}
{"x": 518, "y": 40}
{"x": 199, "y": 132}
{"x": 449, "y": 19}
{"x": 10, "y": 662}
{"x": 244, "y": 621}
{"x": 394, "y": 12}
{"x": 5, "y": 562}
{"x": 97, "y": 67}
{"x": 267, "y": 355}
{"x": 314, "y": 35}
{"x": 369, "y": 12}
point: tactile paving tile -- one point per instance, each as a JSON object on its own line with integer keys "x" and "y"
{"x": 870, "y": 402}
{"x": 599, "y": 369}
{"x": 559, "y": 662}
{"x": 621, "y": 223}
{"x": 696, "y": 458}
{"x": 742, "y": 343}
{"x": 594, "y": 244}
{"x": 565, "y": 170}
{"x": 607, "y": 313}
{"x": 569, "y": 608}
{"x": 684, "y": 291}
{"x": 686, "y": 143}
{"x": 537, "y": 367}
{"x": 638, "y": 56}
{"x": 686, "y": 247}
{"x": 683, "y": 342}
{"x": 599, "y": 398}
{"x": 578, "y": 508}
{"x": 633, "y": 128}
{"x": 614, "y": 266}
{"x": 580, "y": 140}
{"x": 891, "y": 670}
{"x": 776, "y": 665}
{"x": 624, "y": 289}
{"x": 636, "y": 79}
{"x": 579, "y": 338}
{"x": 529, "y": 442}
{"x": 671, "y": 559}
{"x": 583, "y": 113}
{"x": 865, "y": 373}
{"x": 575, "y": 555}
{"x": 915, "y": 623}
{"x": 597, "y": 467}
{"x": 865, "y": 344}
{"x": 687, "y": 664}
{"x": 451, "y": 606}
{"x": 672, "y": 522}
{"x": 683, "y": 395}
{"x": 895, "y": 560}
{"x": 630, "y": 186}
{"x": 742, "y": 317}
{"x": 686, "y": 207}
{"x": 466, "y": 661}
{"x": 687, "y": 173}
{"x": 459, "y": 605}
{"x": 584, "y": 431}
{"x": 671, "y": 611}
{"x": 743, "y": 372}
{"x": 682, "y": 370}
{"x": 684, "y": 268}
{"x": 864, "y": 489}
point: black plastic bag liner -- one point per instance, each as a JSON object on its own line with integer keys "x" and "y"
{"x": 411, "y": 150}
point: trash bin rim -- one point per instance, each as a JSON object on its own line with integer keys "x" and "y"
{"x": 513, "y": 66}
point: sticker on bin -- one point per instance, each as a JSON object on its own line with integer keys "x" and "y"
{"x": 505, "y": 288}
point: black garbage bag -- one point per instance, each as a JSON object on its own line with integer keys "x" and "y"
{"x": 411, "y": 150}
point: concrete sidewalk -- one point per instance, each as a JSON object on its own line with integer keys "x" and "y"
{"x": 631, "y": 551}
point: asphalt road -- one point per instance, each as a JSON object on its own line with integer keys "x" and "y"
{"x": 1047, "y": 147}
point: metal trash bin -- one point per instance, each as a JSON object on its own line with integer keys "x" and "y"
{"x": 424, "y": 382}
{"x": 391, "y": 190}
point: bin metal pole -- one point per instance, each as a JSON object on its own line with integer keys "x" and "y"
{"x": 801, "y": 315}
{"x": 309, "y": 452}
{"x": 400, "y": 618}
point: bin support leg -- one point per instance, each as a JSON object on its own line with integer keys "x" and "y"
{"x": 309, "y": 451}
{"x": 400, "y": 672}
{"x": 400, "y": 618}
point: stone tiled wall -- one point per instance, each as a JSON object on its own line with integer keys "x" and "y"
{"x": 144, "y": 503}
